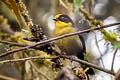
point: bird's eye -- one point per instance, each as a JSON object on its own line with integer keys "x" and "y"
{"x": 62, "y": 18}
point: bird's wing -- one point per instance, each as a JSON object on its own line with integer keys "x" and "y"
{"x": 83, "y": 43}
{"x": 80, "y": 55}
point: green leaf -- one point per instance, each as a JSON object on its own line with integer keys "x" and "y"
{"x": 77, "y": 4}
{"x": 116, "y": 44}
{"x": 85, "y": 58}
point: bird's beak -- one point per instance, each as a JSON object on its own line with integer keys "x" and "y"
{"x": 55, "y": 19}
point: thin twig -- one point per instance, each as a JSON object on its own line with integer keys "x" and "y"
{"x": 89, "y": 64}
{"x": 99, "y": 50}
{"x": 28, "y": 58}
{"x": 113, "y": 59}
{"x": 93, "y": 15}
{"x": 92, "y": 8}
{"x": 12, "y": 43}
{"x": 61, "y": 56}
{"x": 6, "y": 78}
{"x": 63, "y": 4}
{"x": 56, "y": 38}
{"x": 17, "y": 44}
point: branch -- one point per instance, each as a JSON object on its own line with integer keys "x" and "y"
{"x": 99, "y": 50}
{"x": 12, "y": 43}
{"x": 113, "y": 59}
{"x": 56, "y": 38}
{"x": 29, "y": 58}
{"x": 17, "y": 44}
{"x": 61, "y": 56}
{"x": 89, "y": 64}
{"x": 6, "y": 78}
{"x": 92, "y": 8}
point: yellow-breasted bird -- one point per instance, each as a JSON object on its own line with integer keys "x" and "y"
{"x": 73, "y": 45}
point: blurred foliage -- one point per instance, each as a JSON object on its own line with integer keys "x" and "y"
{"x": 112, "y": 37}
{"x": 42, "y": 69}
{"x": 38, "y": 66}
{"x": 4, "y": 26}
{"x": 77, "y": 4}
{"x": 11, "y": 4}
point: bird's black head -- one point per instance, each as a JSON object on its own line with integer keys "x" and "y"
{"x": 63, "y": 18}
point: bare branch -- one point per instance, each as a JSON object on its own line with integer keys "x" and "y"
{"x": 29, "y": 58}
{"x": 89, "y": 64}
{"x": 113, "y": 59}
{"x": 92, "y": 8}
{"x": 61, "y": 56}
{"x": 56, "y": 38}
{"x": 99, "y": 50}
{"x": 12, "y": 43}
{"x": 6, "y": 78}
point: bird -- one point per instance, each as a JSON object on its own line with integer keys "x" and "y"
{"x": 73, "y": 45}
